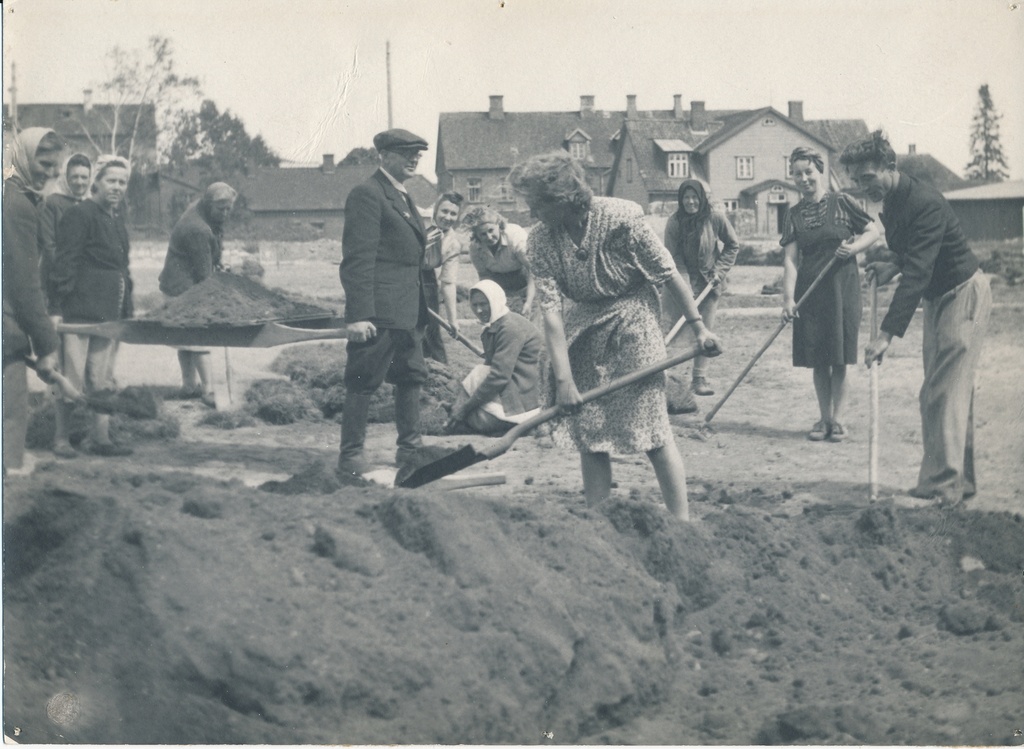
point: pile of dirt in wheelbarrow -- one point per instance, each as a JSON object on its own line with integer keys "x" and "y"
{"x": 157, "y": 607}
{"x": 137, "y": 414}
{"x": 229, "y": 298}
{"x": 315, "y": 388}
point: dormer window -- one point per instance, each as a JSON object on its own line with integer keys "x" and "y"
{"x": 578, "y": 150}
{"x": 577, "y": 143}
{"x": 678, "y": 165}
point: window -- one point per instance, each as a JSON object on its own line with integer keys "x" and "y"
{"x": 629, "y": 170}
{"x": 504, "y": 191}
{"x": 678, "y": 165}
{"x": 731, "y": 205}
{"x": 578, "y": 150}
{"x": 474, "y": 185}
{"x": 744, "y": 167}
{"x": 768, "y": 122}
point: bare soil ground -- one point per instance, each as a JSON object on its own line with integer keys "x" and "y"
{"x": 165, "y": 598}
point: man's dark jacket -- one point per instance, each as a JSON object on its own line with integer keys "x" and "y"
{"x": 382, "y": 250}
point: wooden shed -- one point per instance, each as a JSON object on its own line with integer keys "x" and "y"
{"x": 992, "y": 211}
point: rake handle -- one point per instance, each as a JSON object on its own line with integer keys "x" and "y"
{"x": 682, "y": 320}
{"x": 771, "y": 339}
{"x": 458, "y": 336}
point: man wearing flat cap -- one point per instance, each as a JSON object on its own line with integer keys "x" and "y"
{"x": 382, "y": 250}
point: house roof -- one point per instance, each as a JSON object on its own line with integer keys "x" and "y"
{"x": 734, "y": 123}
{"x": 422, "y": 190}
{"x": 766, "y": 185}
{"x": 302, "y": 189}
{"x": 1013, "y": 189}
{"x": 672, "y": 145}
{"x": 71, "y": 120}
{"x": 836, "y": 133}
{"x": 929, "y": 169}
{"x": 472, "y": 140}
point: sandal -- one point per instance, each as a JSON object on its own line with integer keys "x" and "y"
{"x": 818, "y": 432}
{"x": 701, "y": 386}
{"x": 836, "y": 433}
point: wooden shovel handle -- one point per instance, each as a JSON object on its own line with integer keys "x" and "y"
{"x": 500, "y": 446}
{"x": 873, "y": 421}
{"x": 771, "y": 339}
{"x": 458, "y": 336}
{"x": 682, "y": 320}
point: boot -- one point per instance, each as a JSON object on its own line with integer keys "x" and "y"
{"x": 353, "y": 433}
{"x": 407, "y": 422}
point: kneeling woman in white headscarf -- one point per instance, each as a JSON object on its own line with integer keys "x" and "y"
{"x": 505, "y": 389}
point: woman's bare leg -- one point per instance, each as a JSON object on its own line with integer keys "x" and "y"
{"x": 597, "y": 477}
{"x": 671, "y": 473}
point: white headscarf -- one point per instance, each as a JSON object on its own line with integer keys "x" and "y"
{"x": 62, "y": 187}
{"x": 21, "y": 152}
{"x": 495, "y": 297}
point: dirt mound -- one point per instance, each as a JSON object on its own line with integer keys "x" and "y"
{"x": 230, "y": 299}
{"x": 137, "y": 414}
{"x": 314, "y": 478}
{"x": 280, "y": 402}
{"x": 319, "y": 371}
{"x": 172, "y": 608}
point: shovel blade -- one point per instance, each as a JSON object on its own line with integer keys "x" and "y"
{"x": 464, "y": 457}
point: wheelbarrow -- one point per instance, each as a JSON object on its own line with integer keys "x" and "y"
{"x": 468, "y": 455}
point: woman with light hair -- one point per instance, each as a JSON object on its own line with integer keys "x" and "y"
{"x": 822, "y": 226}
{"x": 194, "y": 253}
{"x": 445, "y": 246}
{"x": 498, "y": 252}
{"x": 601, "y": 254}
{"x": 93, "y": 284}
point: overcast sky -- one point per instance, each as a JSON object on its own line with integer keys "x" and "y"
{"x": 309, "y": 75}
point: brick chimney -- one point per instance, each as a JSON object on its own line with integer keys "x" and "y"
{"x": 698, "y": 117}
{"x": 796, "y": 111}
{"x": 677, "y": 106}
{"x": 631, "y": 105}
{"x": 497, "y": 111}
{"x": 586, "y": 104}
{"x": 912, "y": 149}
{"x": 87, "y": 100}
{"x": 328, "y": 166}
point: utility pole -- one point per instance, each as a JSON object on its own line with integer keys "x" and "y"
{"x": 387, "y": 55}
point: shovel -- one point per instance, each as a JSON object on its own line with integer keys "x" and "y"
{"x": 467, "y": 455}
{"x": 771, "y": 339}
{"x": 458, "y": 336}
{"x": 873, "y": 422}
{"x": 682, "y": 320}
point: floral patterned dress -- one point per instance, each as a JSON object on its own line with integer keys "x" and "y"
{"x": 612, "y": 322}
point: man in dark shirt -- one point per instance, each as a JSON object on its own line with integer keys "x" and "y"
{"x": 937, "y": 266}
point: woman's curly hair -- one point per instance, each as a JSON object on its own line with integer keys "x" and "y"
{"x": 482, "y": 214}
{"x": 555, "y": 177}
{"x": 873, "y": 149}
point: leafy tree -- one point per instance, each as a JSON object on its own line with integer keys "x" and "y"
{"x": 988, "y": 164}
{"x": 217, "y": 143}
{"x": 145, "y": 80}
{"x": 359, "y": 156}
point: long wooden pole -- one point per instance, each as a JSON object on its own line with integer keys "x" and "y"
{"x": 458, "y": 336}
{"x": 682, "y": 320}
{"x": 771, "y": 339}
{"x": 873, "y": 422}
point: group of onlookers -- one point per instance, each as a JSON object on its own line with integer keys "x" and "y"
{"x": 591, "y": 272}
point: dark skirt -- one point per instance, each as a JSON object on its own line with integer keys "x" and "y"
{"x": 825, "y": 331}
{"x": 433, "y": 341}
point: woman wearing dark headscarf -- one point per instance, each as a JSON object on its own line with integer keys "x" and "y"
{"x": 704, "y": 247}
{"x": 35, "y": 158}
{"x": 193, "y": 254}
{"x": 821, "y": 226}
{"x": 93, "y": 284}
{"x": 600, "y": 254}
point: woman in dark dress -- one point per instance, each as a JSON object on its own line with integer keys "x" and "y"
{"x": 821, "y": 226}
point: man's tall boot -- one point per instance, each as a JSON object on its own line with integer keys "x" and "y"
{"x": 353, "y": 433}
{"x": 407, "y": 421}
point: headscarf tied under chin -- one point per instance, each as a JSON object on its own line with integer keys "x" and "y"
{"x": 495, "y": 297}
{"x": 809, "y": 154}
{"x": 23, "y": 151}
{"x": 63, "y": 187}
{"x": 691, "y": 222}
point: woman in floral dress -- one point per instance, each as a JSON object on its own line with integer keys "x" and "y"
{"x": 602, "y": 258}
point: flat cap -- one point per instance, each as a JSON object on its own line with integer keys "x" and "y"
{"x": 398, "y": 139}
